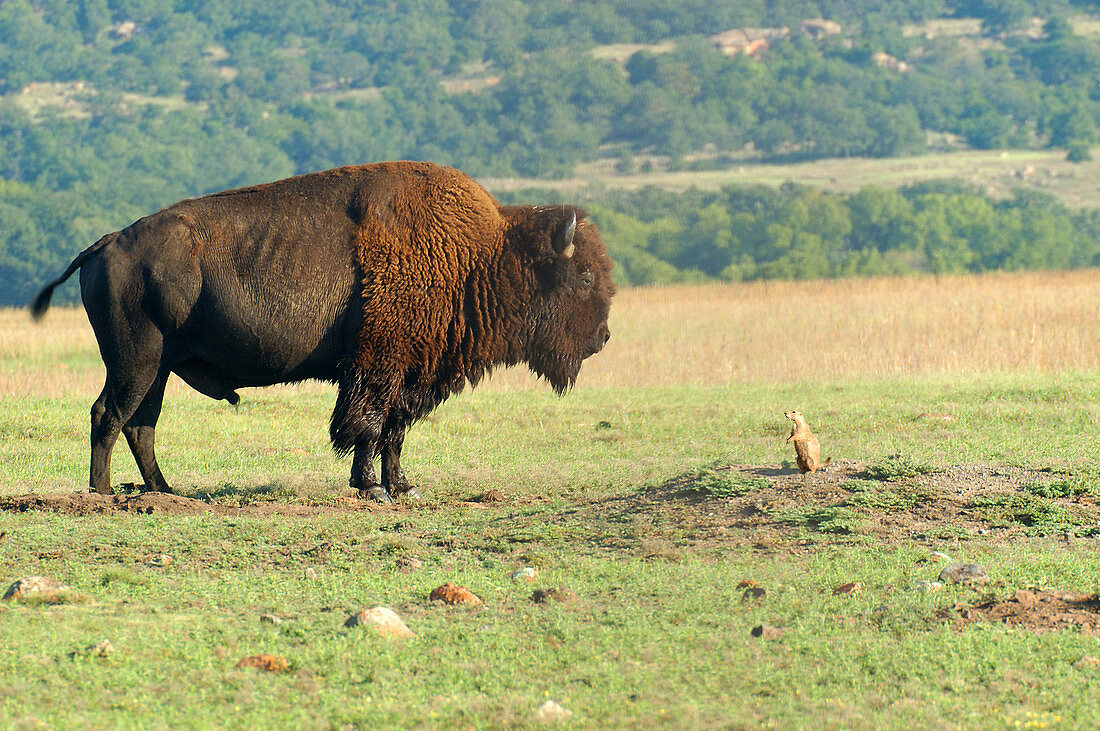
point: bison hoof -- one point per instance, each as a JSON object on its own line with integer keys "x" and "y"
{"x": 377, "y": 493}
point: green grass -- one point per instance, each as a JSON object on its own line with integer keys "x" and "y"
{"x": 999, "y": 172}
{"x": 276, "y": 440}
{"x": 898, "y": 467}
{"x": 720, "y": 480}
{"x": 655, "y": 638}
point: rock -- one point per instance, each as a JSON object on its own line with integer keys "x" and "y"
{"x": 560, "y": 594}
{"x": 964, "y": 573}
{"x": 271, "y": 619}
{"x": 103, "y": 648}
{"x": 929, "y": 586}
{"x": 754, "y": 592}
{"x": 311, "y": 573}
{"x": 525, "y": 574}
{"x": 552, "y": 711}
{"x": 939, "y": 556}
{"x": 454, "y": 594}
{"x": 408, "y": 564}
{"x": 384, "y": 621}
{"x": 767, "y": 632}
{"x": 37, "y": 586}
{"x": 852, "y": 587}
{"x": 265, "y": 662}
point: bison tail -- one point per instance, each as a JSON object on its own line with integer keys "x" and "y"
{"x": 42, "y": 300}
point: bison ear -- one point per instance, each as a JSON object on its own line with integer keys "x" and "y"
{"x": 563, "y": 237}
{"x": 546, "y": 233}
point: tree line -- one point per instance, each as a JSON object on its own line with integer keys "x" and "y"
{"x": 800, "y": 232}
{"x": 112, "y": 109}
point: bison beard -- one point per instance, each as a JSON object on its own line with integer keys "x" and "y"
{"x": 399, "y": 282}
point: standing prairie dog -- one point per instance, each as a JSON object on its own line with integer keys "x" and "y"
{"x": 806, "y": 447}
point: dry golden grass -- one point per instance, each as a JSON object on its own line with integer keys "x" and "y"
{"x": 775, "y": 332}
{"x": 998, "y": 172}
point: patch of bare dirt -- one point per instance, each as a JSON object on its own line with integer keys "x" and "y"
{"x": 779, "y": 510}
{"x": 1037, "y": 611}
{"x": 159, "y": 503}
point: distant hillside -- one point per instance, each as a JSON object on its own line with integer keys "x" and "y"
{"x": 110, "y": 109}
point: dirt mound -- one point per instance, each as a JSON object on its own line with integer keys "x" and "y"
{"x": 1038, "y": 611}
{"x": 95, "y": 504}
{"x": 159, "y": 503}
{"x": 776, "y": 507}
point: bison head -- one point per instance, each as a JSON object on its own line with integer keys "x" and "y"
{"x": 567, "y": 319}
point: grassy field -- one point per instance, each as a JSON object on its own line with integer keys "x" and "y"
{"x": 988, "y": 385}
{"x": 998, "y": 172}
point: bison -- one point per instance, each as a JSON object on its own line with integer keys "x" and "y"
{"x": 399, "y": 281}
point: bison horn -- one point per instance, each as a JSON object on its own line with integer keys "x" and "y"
{"x": 563, "y": 242}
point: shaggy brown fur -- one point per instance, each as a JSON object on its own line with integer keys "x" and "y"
{"x": 806, "y": 447}
{"x": 400, "y": 281}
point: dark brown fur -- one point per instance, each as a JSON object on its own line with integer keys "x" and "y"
{"x": 401, "y": 282}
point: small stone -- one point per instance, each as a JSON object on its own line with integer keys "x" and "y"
{"x": 266, "y": 662}
{"x": 384, "y": 621}
{"x": 754, "y": 592}
{"x": 103, "y": 648}
{"x": 525, "y": 574}
{"x": 552, "y": 711}
{"x": 964, "y": 573}
{"x": 42, "y": 586}
{"x": 311, "y": 573}
{"x": 852, "y": 587}
{"x": 939, "y": 556}
{"x": 408, "y": 564}
{"x": 929, "y": 586}
{"x": 560, "y": 594}
{"x": 454, "y": 594}
{"x": 767, "y": 632}
{"x": 271, "y": 619}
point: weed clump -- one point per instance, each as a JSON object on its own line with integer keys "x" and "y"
{"x": 1086, "y": 483}
{"x": 722, "y": 481}
{"x": 123, "y": 576}
{"x": 1042, "y": 515}
{"x": 898, "y": 467}
{"x": 871, "y": 495}
{"x": 829, "y": 519}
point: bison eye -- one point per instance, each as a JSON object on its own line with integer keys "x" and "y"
{"x": 587, "y": 279}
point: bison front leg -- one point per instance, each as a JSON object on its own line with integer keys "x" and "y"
{"x": 393, "y": 477}
{"x": 362, "y": 474}
{"x": 362, "y": 403}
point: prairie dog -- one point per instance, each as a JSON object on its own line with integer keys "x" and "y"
{"x": 806, "y": 447}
